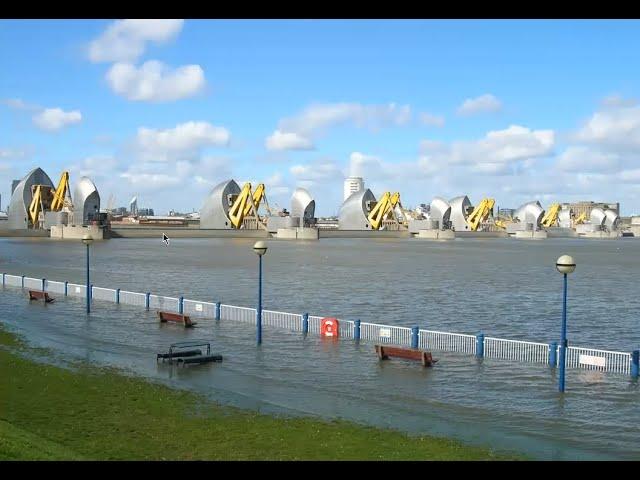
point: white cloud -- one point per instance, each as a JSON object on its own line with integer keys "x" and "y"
{"x": 316, "y": 119}
{"x": 431, "y": 120}
{"x": 483, "y": 104}
{"x": 183, "y": 141}
{"x": 53, "y": 119}
{"x": 320, "y": 171}
{"x": 287, "y": 141}
{"x": 19, "y": 104}
{"x": 491, "y": 154}
{"x": 617, "y": 128}
{"x": 583, "y": 159}
{"x": 126, "y": 40}
{"x": 615, "y": 100}
{"x": 155, "y": 82}
{"x": 361, "y": 165}
{"x": 11, "y": 154}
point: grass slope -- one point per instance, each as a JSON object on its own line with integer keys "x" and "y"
{"x": 47, "y": 413}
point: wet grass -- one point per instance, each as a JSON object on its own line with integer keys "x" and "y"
{"x": 53, "y": 413}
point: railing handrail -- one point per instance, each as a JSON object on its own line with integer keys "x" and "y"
{"x": 516, "y": 341}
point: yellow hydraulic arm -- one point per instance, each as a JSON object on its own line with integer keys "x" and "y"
{"x": 580, "y": 218}
{"x": 551, "y": 217}
{"x": 36, "y": 205}
{"x": 61, "y": 192}
{"x": 258, "y": 195}
{"x": 382, "y": 209}
{"x": 236, "y": 212}
{"x": 480, "y": 213}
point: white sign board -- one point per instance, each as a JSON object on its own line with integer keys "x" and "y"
{"x": 592, "y": 360}
{"x": 198, "y": 307}
{"x": 77, "y": 289}
{"x": 384, "y": 333}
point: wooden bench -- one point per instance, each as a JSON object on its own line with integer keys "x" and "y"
{"x": 38, "y": 295}
{"x": 385, "y": 351}
{"x": 176, "y": 317}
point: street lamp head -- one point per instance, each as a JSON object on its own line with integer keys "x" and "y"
{"x": 87, "y": 239}
{"x": 260, "y": 247}
{"x": 566, "y": 264}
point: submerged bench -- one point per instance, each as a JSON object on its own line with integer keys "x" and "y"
{"x": 385, "y": 351}
{"x": 176, "y": 317}
{"x": 38, "y": 295}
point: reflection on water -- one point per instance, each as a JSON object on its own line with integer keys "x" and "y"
{"x": 505, "y": 288}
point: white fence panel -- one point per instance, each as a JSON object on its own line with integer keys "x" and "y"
{"x": 33, "y": 283}
{"x": 54, "y": 287}
{"x": 75, "y": 290}
{"x": 104, "y": 294}
{"x": 13, "y": 280}
{"x": 240, "y": 314}
{"x": 602, "y": 360}
{"x": 288, "y": 321}
{"x": 133, "y": 298}
{"x": 385, "y": 334}
{"x": 447, "y": 342}
{"x": 199, "y": 309}
{"x": 168, "y": 304}
{"x": 516, "y": 350}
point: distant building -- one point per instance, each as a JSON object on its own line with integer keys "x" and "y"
{"x": 120, "y": 211}
{"x": 145, "y": 212}
{"x": 352, "y": 185}
{"x": 578, "y": 208}
{"x": 133, "y": 206}
{"x": 506, "y": 212}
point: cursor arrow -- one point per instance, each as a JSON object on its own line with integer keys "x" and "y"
{"x": 165, "y": 239}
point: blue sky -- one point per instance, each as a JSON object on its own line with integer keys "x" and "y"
{"x": 515, "y": 110}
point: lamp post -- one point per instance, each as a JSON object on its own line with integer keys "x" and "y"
{"x": 565, "y": 265}
{"x": 260, "y": 247}
{"x": 88, "y": 240}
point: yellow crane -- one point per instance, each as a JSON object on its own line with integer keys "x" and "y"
{"x": 550, "y": 218}
{"x": 61, "y": 193}
{"x": 258, "y": 195}
{"x": 382, "y": 209}
{"x": 480, "y": 213}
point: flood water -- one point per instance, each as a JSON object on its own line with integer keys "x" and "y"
{"x": 502, "y": 287}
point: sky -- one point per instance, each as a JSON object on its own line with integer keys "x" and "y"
{"x": 516, "y": 110}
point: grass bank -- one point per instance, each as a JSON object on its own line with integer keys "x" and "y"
{"x": 50, "y": 413}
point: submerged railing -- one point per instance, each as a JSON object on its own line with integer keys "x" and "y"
{"x": 478, "y": 345}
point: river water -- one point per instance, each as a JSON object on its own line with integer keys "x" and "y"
{"x": 503, "y": 287}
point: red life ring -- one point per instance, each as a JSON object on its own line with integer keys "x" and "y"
{"x": 330, "y": 327}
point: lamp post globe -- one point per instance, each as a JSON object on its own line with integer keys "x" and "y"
{"x": 260, "y": 247}
{"x": 565, "y": 264}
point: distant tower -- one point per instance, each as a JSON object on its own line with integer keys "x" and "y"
{"x": 133, "y": 206}
{"x": 352, "y": 185}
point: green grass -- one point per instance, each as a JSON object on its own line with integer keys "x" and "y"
{"x": 50, "y": 413}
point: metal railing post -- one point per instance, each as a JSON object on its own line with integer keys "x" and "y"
{"x": 43, "y": 284}
{"x": 635, "y": 363}
{"x": 66, "y": 288}
{"x": 305, "y": 323}
{"x": 553, "y": 354}
{"x": 147, "y": 300}
{"x": 181, "y": 305}
{"x": 22, "y": 281}
{"x": 91, "y": 292}
{"x": 3, "y": 281}
{"x": 117, "y": 295}
{"x": 356, "y": 330}
{"x": 480, "y": 345}
{"x": 415, "y": 332}
{"x": 218, "y": 305}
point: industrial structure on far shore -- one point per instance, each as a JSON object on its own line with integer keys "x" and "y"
{"x": 38, "y": 208}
